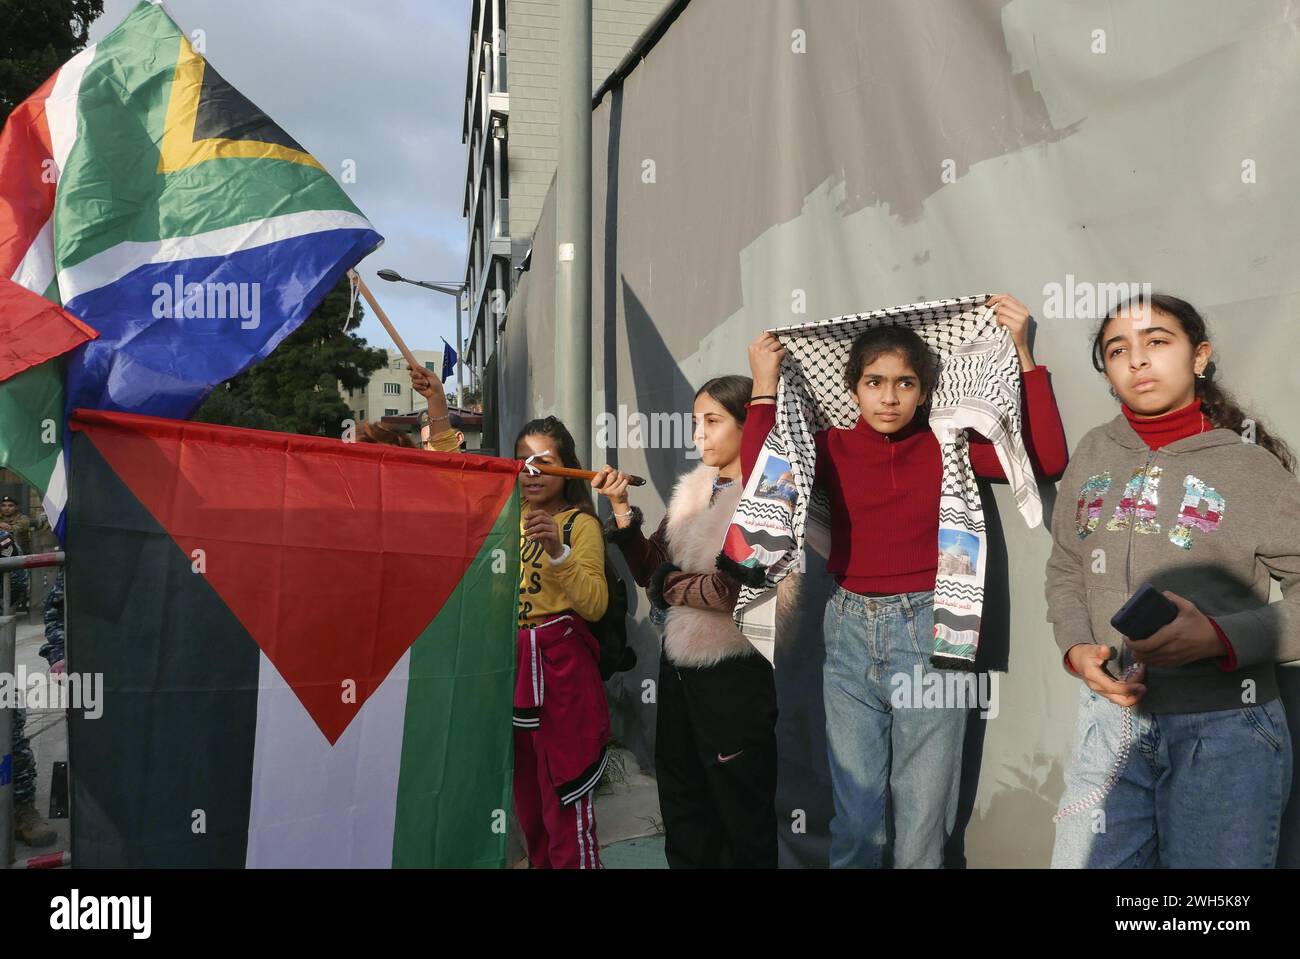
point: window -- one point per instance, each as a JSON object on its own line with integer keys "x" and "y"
{"x": 390, "y": 412}
{"x": 430, "y": 366}
{"x": 361, "y": 415}
{"x": 393, "y": 389}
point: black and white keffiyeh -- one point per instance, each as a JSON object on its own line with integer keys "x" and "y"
{"x": 978, "y": 388}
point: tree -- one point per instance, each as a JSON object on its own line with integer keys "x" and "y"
{"x": 296, "y": 388}
{"x": 39, "y": 36}
{"x": 471, "y": 398}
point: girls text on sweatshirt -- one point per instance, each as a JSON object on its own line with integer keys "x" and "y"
{"x": 576, "y": 581}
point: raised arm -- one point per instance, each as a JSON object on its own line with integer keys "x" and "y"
{"x": 1043, "y": 431}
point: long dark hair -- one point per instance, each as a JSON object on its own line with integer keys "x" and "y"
{"x": 1219, "y": 405}
{"x": 891, "y": 338}
{"x": 732, "y": 392}
{"x": 576, "y": 492}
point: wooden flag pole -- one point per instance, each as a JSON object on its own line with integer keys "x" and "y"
{"x": 383, "y": 318}
{"x": 414, "y": 364}
{"x": 579, "y": 474}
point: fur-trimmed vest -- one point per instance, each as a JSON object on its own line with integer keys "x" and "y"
{"x": 695, "y": 531}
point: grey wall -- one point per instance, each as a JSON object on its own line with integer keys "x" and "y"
{"x": 777, "y": 172}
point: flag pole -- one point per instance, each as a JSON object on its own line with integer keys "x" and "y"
{"x": 383, "y": 318}
{"x": 578, "y": 474}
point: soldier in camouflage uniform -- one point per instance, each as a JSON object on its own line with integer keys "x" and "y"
{"x": 29, "y": 828}
{"x": 14, "y": 521}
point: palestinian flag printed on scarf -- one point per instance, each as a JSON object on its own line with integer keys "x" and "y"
{"x": 978, "y": 388}
{"x": 158, "y": 205}
{"x": 308, "y": 648}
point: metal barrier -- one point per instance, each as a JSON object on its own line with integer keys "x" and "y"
{"x": 8, "y": 642}
{"x": 8, "y": 634}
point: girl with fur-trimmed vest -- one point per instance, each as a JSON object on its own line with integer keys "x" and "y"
{"x": 715, "y": 734}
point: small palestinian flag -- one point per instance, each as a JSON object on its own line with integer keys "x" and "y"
{"x": 308, "y": 648}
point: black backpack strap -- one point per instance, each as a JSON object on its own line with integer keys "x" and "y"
{"x": 568, "y": 527}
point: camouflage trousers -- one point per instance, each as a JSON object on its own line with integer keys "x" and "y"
{"x": 24, "y": 762}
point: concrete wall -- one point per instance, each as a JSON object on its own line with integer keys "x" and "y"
{"x": 914, "y": 151}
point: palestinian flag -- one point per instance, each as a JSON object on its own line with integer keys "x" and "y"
{"x": 156, "y": 203}
{"x": 308, "y": 648}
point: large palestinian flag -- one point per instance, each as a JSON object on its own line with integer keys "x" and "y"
{"x": 160, "y": 206}
{"x": 307, "y": 648}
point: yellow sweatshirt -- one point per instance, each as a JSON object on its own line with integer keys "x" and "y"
{"x": 577, "y": 582}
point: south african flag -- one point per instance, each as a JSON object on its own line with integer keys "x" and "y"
{"x": 159, "y": 206}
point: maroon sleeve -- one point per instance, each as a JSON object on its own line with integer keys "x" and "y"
{"x": 758, "y": 423}
{"x": 643, "y": 555}
{"x": 716, "y": 591}
{"x": 1043, "y": 432}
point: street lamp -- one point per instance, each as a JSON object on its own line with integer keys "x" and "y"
{"x": 451, "y": 289}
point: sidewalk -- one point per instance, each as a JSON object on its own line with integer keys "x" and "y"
{"x": 628, "y": 822}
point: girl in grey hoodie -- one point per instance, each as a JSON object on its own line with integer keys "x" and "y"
{"x": 1184, "y": 759}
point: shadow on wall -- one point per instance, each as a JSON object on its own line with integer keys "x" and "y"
{"x": 658, "y": 386}
{"x": 1022, "y": 809}
{"x": 804, "y": 806}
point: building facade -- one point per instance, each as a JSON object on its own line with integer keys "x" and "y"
{"x": 389, "y": 393}
{"x": 510, "y": 132}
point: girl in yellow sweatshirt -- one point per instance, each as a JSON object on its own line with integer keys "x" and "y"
{"x": 561, "y": 716}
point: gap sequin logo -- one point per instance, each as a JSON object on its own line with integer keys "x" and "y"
{"x": 1139, "y": 502}
{"x": 1087, "y": 511}
{"x": 1195, "y": 492}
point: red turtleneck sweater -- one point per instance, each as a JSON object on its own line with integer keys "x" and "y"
{"x": 884, "y": 488}
{"x": 1158, "y": 431}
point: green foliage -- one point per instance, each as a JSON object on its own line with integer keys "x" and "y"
{"x": 471, "y": 398}
{"x": 296, "y": 388}
{"x": 38, "y": 37}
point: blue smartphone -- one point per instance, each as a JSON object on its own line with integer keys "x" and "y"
{"x": 1145, "y": 612}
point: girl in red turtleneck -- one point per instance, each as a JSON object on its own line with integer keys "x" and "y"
{"x": 882, "y": 478}
{"x": 1184, "y": 760}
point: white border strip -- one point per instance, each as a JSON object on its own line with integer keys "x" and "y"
{"x": 116, "y": 262}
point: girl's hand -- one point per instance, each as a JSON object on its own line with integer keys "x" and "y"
{"x": 612, "y": 484}
{"x": 540, "y": 527}
{"x": 1089, "y": 661}
{"x": 1188, "y": 639}
{"x": 1014, "y": 315}
{"x": 765, "y": 356}
{"x": 425, "y": 382}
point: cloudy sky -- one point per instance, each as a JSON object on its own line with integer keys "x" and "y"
{"x": 379, "y": 82}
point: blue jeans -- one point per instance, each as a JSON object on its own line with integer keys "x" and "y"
{"x": 891, "y": 765}
{"x": 1198, "y": 791}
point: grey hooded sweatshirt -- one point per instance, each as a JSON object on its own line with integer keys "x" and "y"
{"x": 1209, "y": 517}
